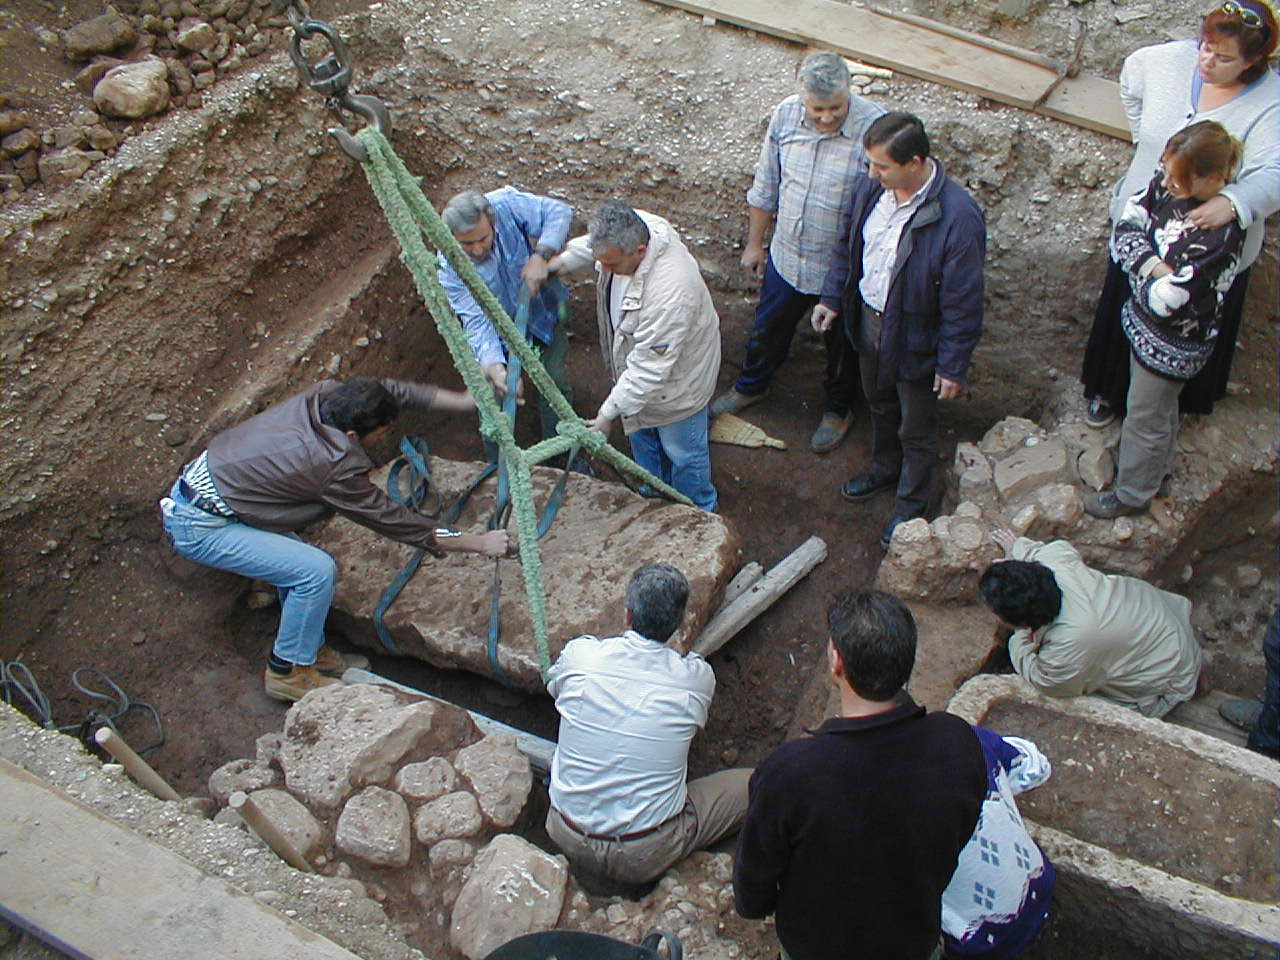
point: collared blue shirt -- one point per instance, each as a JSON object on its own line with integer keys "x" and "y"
{"x": 521, "y": 222}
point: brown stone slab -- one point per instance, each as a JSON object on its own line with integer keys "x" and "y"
{"x": 601, "y": 533}
{"x": 91, "y": 888}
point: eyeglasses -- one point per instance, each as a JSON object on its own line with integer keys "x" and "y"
{"x": 1250, "y": 18}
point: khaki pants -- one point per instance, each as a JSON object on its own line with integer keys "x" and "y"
{"x": 716, "y": 807}
{"x": 1149, "y": 437}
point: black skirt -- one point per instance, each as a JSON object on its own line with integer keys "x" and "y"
{"x": 1105, "y": 372}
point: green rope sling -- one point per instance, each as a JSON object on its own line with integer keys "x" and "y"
{"x": 420, "y": 232}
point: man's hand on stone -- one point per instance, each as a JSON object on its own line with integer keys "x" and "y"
{"x": 1003, "y": 538}
{"x": 944, "y": 388}
{"x": 535, "y": 272}
{"x": 822, "y": 318}
{"x": 753, "y": 259}
{"x": 497, "y": 373}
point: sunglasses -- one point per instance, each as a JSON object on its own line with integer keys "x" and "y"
{"x": 1250, "y": 18}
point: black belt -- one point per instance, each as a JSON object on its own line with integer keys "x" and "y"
{"x": 634, "y": 835}
{"x": 199, "y": 500}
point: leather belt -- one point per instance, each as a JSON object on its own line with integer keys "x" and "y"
{"x": 622, "y": 837}
{"x": 199, "y": 501}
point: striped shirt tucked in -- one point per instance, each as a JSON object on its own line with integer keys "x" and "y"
{"x": 196, "y": 474}
{"x": 806, "y": 178}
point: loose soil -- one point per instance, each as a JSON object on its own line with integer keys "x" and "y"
{"x": 1155, "y": 803}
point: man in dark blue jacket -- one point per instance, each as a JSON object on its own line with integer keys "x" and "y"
{"x": 906, "y": 283}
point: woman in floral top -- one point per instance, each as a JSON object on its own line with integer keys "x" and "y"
{"x": 1178, "y": 275}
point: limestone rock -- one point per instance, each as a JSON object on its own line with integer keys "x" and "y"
{"x": 179, "y": 76}
{"x": 1025, "y": 519}
{"x": 1007, "y": 435}
{"x": 343, "y": 737}
{"x": 133, "y": 90}
{"x": 88, "y": 78}
{"x": 425, "y": 781}
{"x": 1061, "y": 506}
{"x": 451, "y": 853}
{"x": 100, "y": 138}
{"x": 291, "y": 818}
{"x": 1028, "y": 468}
{"x": 1096, "y": 468}
{"x": 243, "y": 775}
{"x": 374, "y": 826}
{"x": 197, "y": 36}
{"x": 514, "y": 889}
{"x": 973, "y": 470}
{"x": 19, "y": 141}
{"x": 454, "y": 815}
{"x": 61, "y": 167}
{"x": 618, "y": 529}
{"x": 499, "y": 776}
{"x": 13, "y": 120}
{"x": 267, "y": 748}
{"x": 102, "y": 34}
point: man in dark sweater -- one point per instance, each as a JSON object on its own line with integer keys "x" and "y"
{"x": 852, "y": 833}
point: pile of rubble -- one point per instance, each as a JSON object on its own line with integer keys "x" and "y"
{"x": 1032, "y": 478}
{"x": 141, "y": 58}
{"x": 405, "y": 802}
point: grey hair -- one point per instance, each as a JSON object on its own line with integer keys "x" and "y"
{"x": 656, "y": 598}
{"x": 823, "y": 74}
{"x": 616, "y": 224}
{"x": 464, "y": 210}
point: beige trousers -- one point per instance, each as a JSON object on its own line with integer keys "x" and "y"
{"x": 716, "y": 807}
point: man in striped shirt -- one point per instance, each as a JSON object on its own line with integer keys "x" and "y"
{"x": 811, "y": 157}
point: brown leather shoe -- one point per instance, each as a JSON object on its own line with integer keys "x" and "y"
{"x": 330, "y": 661}
{"x": 295, "y": 684}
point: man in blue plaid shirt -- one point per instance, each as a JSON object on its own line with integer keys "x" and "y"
{"x": 811, "y": 157}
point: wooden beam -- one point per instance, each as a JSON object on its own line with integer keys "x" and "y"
{"x": 94, "y": 889}
{"x": 760, "y": 596}
{"x": 741, "y": 582}
{"x": 942, "y": 55}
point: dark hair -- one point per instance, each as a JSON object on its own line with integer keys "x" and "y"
{"x": 902, "y": 133}
{"x": 1022, "y": 593}
{"x": 1257, "y": 44}
{"x": 875, "y": 635}
{"x": 361, "y": 404}
{"x": 656, "y": 597}
{"x": 616, "y": 224}
{"x": 1201, "y": 150}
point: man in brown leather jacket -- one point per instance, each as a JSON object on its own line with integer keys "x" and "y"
{"x": 237, "y": 506}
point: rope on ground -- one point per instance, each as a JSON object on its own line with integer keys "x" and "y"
{"x": 419, "y": 230}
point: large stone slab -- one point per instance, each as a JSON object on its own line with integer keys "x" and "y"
{"x": 601, "y": 533}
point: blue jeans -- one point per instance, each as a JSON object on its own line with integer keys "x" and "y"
{"x": 678, "y": 454}
{"x": 780, "y": 309}
{"x": 303, "y": 575}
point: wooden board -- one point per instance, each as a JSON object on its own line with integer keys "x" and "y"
{"x": 1087, "y": 101}
{"x": 94, "y": 889}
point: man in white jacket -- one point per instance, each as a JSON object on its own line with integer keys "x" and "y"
{"x": 660, "y": 336}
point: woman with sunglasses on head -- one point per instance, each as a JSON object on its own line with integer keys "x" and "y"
{"x": 1179, "y": 272}
{"x": 1224, "y": 76}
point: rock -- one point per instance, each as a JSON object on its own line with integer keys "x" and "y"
{"x": 420, "y": 782}
{"x": 1061, "y": 506}
{"x": 1122, "y": 529}
{"x": 19, "y": 142}
{"x": 245, "y": 775}
{"x": 291, "y": 818}
{"x": 1096, "y": 468}
{"x": 196, "y": 37}
{"x": 1007, "y": 435}
{"x": 202, "y": 81}
{"x": 341, "y": 738}
{"x": 133, "y": 90}
{"x": 12, "y": 121}
{"x": 374, "y": 826}
{"x": 451, "y": 853}
{"x": 499, "y": 776}
{"x": 100, "y": 35}
{"x": 514, "y": 889}
{"x": 1028, "y": 468}
{"x": 100, "y": 138}
{"x": 202, "y": 807}
{"x": 267, "y": 748}
{"x": 973, "y": 470}
{"x": 1248, "y": 576}
{"x": 236, "y": 10}
{"x": 11, "y": 183}
{"x": 1025, "y": 519}
{"x": 88, "y": 78}
{"x": 180, "y": 79}
{"x": 27, "y": 165}
{"x": 63, "y": 166}
{"x": 602, "y": 520}
{"x": 67, "y": 135}
{"x": 969, "y": 510}
{"x": 454, "y": 815}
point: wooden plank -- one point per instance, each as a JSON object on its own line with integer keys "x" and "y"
{"x": 989, "y": 70}
{"x": 538, "y": 750}
{"x": 1202, "y": 714}
{"x": 94, "y": 889}
{"x": 760, "y": 596}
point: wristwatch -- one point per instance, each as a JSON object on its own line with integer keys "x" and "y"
{"x": 544, "y": 251}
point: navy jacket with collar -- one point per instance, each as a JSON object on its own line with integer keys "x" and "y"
{"x": 933, "y": 314}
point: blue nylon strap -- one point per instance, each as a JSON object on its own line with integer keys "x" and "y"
{"x": 414, "y": 456}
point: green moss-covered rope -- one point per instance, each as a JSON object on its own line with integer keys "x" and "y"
{"x": 420, "y": 231}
